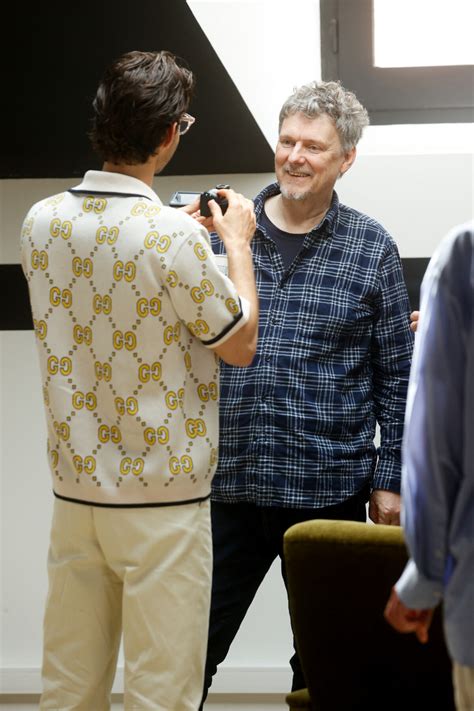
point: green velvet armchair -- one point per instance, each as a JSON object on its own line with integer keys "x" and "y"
{"x": 339, "y": 578}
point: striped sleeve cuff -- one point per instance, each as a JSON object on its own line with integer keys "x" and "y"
{"x": 239, "y": 321}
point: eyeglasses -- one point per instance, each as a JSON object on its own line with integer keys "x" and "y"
{"x": 185, "y": 123}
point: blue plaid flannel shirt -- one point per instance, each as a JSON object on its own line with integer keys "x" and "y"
{"x": 297, "y": 427}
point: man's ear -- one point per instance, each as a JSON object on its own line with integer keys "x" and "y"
{"x": 349, "y": 158}
{"x": 169, "y": 135}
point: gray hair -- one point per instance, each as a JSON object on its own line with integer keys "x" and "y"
{"x": 316, "y": 98}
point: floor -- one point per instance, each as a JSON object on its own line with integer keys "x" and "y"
{"x": 216, "y": 702}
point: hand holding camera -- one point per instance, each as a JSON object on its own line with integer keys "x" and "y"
{"x": 184, "y": 198}
{"x": 237, "y": 227}
{"x": 222, "y": 210}
{"x": 213, "y": 195}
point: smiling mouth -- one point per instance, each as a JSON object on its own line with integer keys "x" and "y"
{"x": 292, "y": 174}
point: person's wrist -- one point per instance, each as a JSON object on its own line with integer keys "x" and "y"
{"x": 237, "y": 246}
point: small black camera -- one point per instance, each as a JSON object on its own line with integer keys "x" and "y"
{"x": 212, "y": 195}
{"x": 186, "y": 197}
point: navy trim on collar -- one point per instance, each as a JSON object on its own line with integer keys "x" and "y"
{"x": 107, "y": 192}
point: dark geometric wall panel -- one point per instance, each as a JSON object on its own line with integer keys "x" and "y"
{"x": 15, "y": 314}
{"x": 413, "y": 272}
{"x": 54, "y": 56}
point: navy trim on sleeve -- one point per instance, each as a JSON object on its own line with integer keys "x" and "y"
{"x": 226, "y": 329}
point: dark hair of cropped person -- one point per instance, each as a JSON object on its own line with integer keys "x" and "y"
{"x": 140, "y": 95}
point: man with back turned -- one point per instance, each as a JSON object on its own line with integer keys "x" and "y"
{"x": 131, "y": 314}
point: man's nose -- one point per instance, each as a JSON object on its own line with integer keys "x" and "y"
{"x": 296, "y": 155}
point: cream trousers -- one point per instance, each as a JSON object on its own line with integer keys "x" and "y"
{"x": 143, "y": 572}
{"x": 463, "y": 687}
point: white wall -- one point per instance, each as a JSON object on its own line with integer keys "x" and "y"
{"x": 267, "y": 46}
{"x": 417, "y": 181}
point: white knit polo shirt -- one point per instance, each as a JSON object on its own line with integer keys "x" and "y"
{"x": 127, "y": 301}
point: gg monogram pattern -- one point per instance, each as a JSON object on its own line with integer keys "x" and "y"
{"x": 127, "y": 302}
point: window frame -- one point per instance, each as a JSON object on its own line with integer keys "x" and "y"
{"x": 394, "y": 95}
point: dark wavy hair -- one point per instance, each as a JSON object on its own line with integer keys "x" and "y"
{"x": 140, "y": 95}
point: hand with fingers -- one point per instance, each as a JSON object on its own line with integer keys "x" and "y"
{"x": 384, "y": 507}
{"x": 236, "y": 227}
{"x": 404, "y": 619}
{"x": 414, "y": 317}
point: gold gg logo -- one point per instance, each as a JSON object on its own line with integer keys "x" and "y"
{"x": 124, "y": 271}
{"x": 200, "y": 251}
{"x": 61, "y": 365}
{"x": 232, "y": 306}
{"x": 159, "y": 436}
{"x": 82, "y": 335}
{"x": 160, "y": 242}
{"x": 145, "y": 209}
{"x": 172, "y": 279}
{"x": 174, "y": 400}
{"x": 27, "y": 227}
{"x": 195, "y": 428}
{"x": 102, "y": 304}
{"x": 105, "y": 234}
{"x": 41, "y": 329}
{"x": 135, "y": 466}
{"x": 147, "y": 307}
{"x": 62, "y": 430}
{"x": 55, "y": 200}
{"x": 187, "y": 362}
{"x": 39, "y": 260}
{"x": 183, "y": 464}
{"x": 82, "y": 267}
{"x": 198, "y": 328}
{"x": 129, "y": 406}
{"x": 126, "y": 340}
{"x": 213, "y": 457}
{"x": 60, "y": 229}
{"x": 87, "y": 465}
{"x": 103, "y": 371}
{"x": 199, "y": 293}
{"x": 172, "y": 333}
{"x": 109, "y": 434}
{"x": 54, "y": 458}
{"x": 94, "y": 204}
{"x": 60, "y": 298}
{"x": 207, "y": 392}
{"x": 148, "y": 372}
{"x": 87, "y": 400}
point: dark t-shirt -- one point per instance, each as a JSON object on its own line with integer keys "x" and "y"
{"x": 288, "y": 244}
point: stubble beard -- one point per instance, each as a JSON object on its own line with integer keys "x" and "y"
{"x": 291, "y": 195}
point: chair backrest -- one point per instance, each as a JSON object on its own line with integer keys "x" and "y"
{"x": 340, "y": 574}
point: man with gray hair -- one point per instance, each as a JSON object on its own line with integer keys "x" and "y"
{"x": 334, "y": 355}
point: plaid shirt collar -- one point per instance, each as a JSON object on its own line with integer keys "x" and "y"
{"x": 325, "y": 227}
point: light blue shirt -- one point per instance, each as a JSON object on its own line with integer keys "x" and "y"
{"x": 438, "y": 447}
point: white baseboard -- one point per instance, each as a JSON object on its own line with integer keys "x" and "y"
{"x": 228, "y": 680}
{"x": 252, "y": 680}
